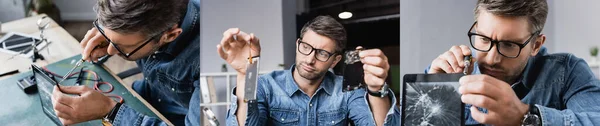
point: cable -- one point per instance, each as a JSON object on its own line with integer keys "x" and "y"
{"x": 97, "y": 82}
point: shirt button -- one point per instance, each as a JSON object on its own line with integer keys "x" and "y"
{"x": 146, "y": 79}
{"x": 158, "y": 100}
{"x": 310, "y": 105}
{"x": 153, "y": 56}
{"x": 282, "y": 119}
{"x": 172, "y": 89}
{"x": 332, "y": 122}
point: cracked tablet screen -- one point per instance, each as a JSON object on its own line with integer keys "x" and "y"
{"x": 433, "y": 104}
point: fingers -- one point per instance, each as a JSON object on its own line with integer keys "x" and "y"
{"x": 74, "y": 89}
{"x": 465, "y": 50}
{"x": 228, "y": 37}
{"x": 482, "y": 117}
{"x": 374, "y": 70}
{"x": 255, "y": 43}
{"x": 372, "y": 53}
{"x": 458, "y": 57}
{"x": 97, "y": 53}
{"x": 91, "y": 44}
{"x": 486, "y": 89}
{"x": 66, "y": 121}
{"x": 490, "y": 82}
{"x": 89, "y": 34}
{"x": 373, "y": 81}
{"x": 452, "y": 61}
{"x": 221, "y": 52}
{"x": 440, "y": 66}
{"x": 479, "y": 101}
{"x": 58, "y": 97}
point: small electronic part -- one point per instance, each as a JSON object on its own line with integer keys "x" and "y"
{"x": 353, "y": 71}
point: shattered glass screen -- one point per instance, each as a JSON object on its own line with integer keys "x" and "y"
{"x": 432, "y": 104}
{"x": 352, "y": 71}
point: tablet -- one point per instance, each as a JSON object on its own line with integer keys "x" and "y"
{"x": 45, "y": 85}
{"x": 432, "y": 100}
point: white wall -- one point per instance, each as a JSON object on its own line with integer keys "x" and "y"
{"x": 263, "y": 18}
{"x": 577, "y": 26}
{"x": 76, "y": 9}
{"x": 429, "y": 28}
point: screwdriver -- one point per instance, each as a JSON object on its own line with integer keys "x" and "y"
{"x": 467, "y": 60}
{"x": 102, "y": 45}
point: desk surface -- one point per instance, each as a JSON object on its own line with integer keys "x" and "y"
{"x": 63, "y": 44}
{"x": 19, "y": 108}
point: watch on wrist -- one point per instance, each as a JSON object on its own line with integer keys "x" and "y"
{"x": 381, "y": 93}
{"x": 532, "y": 118}
{"x": 110, "y": 117}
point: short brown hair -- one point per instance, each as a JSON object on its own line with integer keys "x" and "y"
{"x": 535, "y": 11}
{"x": 150, "y": 17}
{"x": 328, "y": 27}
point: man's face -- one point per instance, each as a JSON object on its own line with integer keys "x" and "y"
{"x": 307, "y": 65}
{"x": 129, "y": 42}
{"x": 515, "y": 29}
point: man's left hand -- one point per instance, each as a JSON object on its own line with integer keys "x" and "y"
{"x": 88, "y": 105}
{"x": 504, "y": 107}
{"x": 375, "y": 68}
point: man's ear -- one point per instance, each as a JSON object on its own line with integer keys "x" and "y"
{"x": 537, "y": 45}
{"x": 171, "y": 35}
{"x": 337, "y": 59}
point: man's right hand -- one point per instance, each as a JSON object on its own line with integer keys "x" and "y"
{"x": 235, "y": 50}
{"x": 92, "y": 39}
{"x": 451, "y": 61}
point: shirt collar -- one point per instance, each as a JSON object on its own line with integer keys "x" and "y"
{"x": 190, "y": 28}
{"x": 291, "y": 86}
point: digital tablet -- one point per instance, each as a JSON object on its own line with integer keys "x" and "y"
{"x": 45, "y": 85}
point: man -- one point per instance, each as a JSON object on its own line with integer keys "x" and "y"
{"x": 163, "y": 38}
{"x": 307, "y": 93}
{"x": 515, "y": 81}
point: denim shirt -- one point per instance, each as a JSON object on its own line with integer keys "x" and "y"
{"x": 172, "y": 73}
{"x": 561, "y": 86}
{"x": 281, "y": 103}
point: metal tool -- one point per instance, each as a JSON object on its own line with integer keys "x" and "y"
{"x": 210, "y": 115}
{"x": 71, "y": 71}
{"x": 102, "y": 45}
{"x": 467, "y": 60}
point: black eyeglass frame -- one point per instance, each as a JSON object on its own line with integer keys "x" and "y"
{"x": 496, "y": 42}
{"x": 127, "y": 55}
{"x": 313, "y": 49}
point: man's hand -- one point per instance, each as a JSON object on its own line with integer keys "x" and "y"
{"x": 235, "y": 50}
{"x": 88, "y": 105}
{"x": 451, "y": 61}
{"x": 375, "y": 71}
{"x": 375, "y": 68}
{"x": 92, "y": 39}
{"x": 503, "y": 105}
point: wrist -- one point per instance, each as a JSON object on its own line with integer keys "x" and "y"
{"x": 107, "y": 110}
{"x": 378, "y": 91}
{"x": 112, "y": 114}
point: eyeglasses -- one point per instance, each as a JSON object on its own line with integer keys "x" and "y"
{"x": 306, "y": 49}
{"x": 97, "y": 25}
{"x": 508, "y": 49}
